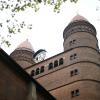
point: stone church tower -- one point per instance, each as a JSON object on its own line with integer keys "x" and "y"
{"x": 75, "y": 73}
{"x": 23, "y": 54}
{"x": 80, "y": 33}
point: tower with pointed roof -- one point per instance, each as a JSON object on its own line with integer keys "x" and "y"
{"x": 75, "y": 73}
{"x": 80, "y": 33}
{"x": 23, "y": 54}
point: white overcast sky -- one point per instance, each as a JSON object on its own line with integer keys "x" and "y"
{"x": 48, "y": 26}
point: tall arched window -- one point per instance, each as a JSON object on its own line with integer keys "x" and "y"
{"x": 61, "y": 61}
{"x": 37, "y": 71}
{"x": 42, "y": 69}
{"x": 50, "y": 66}
{"x": 32, "y": 73}
{"x": 55, "y": 63}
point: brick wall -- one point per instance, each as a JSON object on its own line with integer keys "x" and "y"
{"x": 12, "y": 87}
{"x": 58, "y": 80}
{"x": 84, "y": 54}
{"x": 88, "y": 90}
{"x": 81, "y": 39}
{"x": 63, "y": 76}
{"x": 23, "y": 57}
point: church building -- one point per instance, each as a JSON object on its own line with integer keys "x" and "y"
{"x": 73, "y": 74}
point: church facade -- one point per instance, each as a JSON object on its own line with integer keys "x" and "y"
{"x": 74, "y": 74}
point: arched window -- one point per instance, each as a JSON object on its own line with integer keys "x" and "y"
{"x": 61, "y": 61}
{"x": 55, "y": 63}
{"x": 32, "y": 73}
{"x": 50, "y": 66}
{"x": 42, "y": 69}
{"x": 37, "y": 71}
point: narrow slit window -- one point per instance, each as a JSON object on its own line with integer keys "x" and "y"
{"x": 75, "y": 56}
{"x": 77, "y": 92}
{"x": 71, "y": 73}
{"x": 76, "y": 72}
{"x": 70, "y": 43}
{"x": 74, "y": 41}
{"x": 71, "y": 57}
{"x": 72, "y": 94}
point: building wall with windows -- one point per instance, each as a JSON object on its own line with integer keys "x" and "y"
{"x": 80, "y": 39}
{"x": 76, "y": 68}
{"x": 75, "y": 73}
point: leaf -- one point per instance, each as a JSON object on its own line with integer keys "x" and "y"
{"x": 0, "y": 24}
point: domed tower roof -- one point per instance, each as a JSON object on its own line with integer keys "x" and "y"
{"x": 25, "y": 45}
{"x": 23, "y": 54}
{"x": 78, "y": 25}
{"x": 78, "y": 18}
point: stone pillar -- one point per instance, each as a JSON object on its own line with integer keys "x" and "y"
{"x": 32, "y": 95}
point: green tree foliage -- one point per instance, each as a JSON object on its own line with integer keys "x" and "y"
{"x": 11, "y": 24}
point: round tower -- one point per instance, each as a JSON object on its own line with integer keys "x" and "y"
{"x": 23, "y": 54}
{"x": 81, "y": 45}
{"x": 80, "y": 33}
